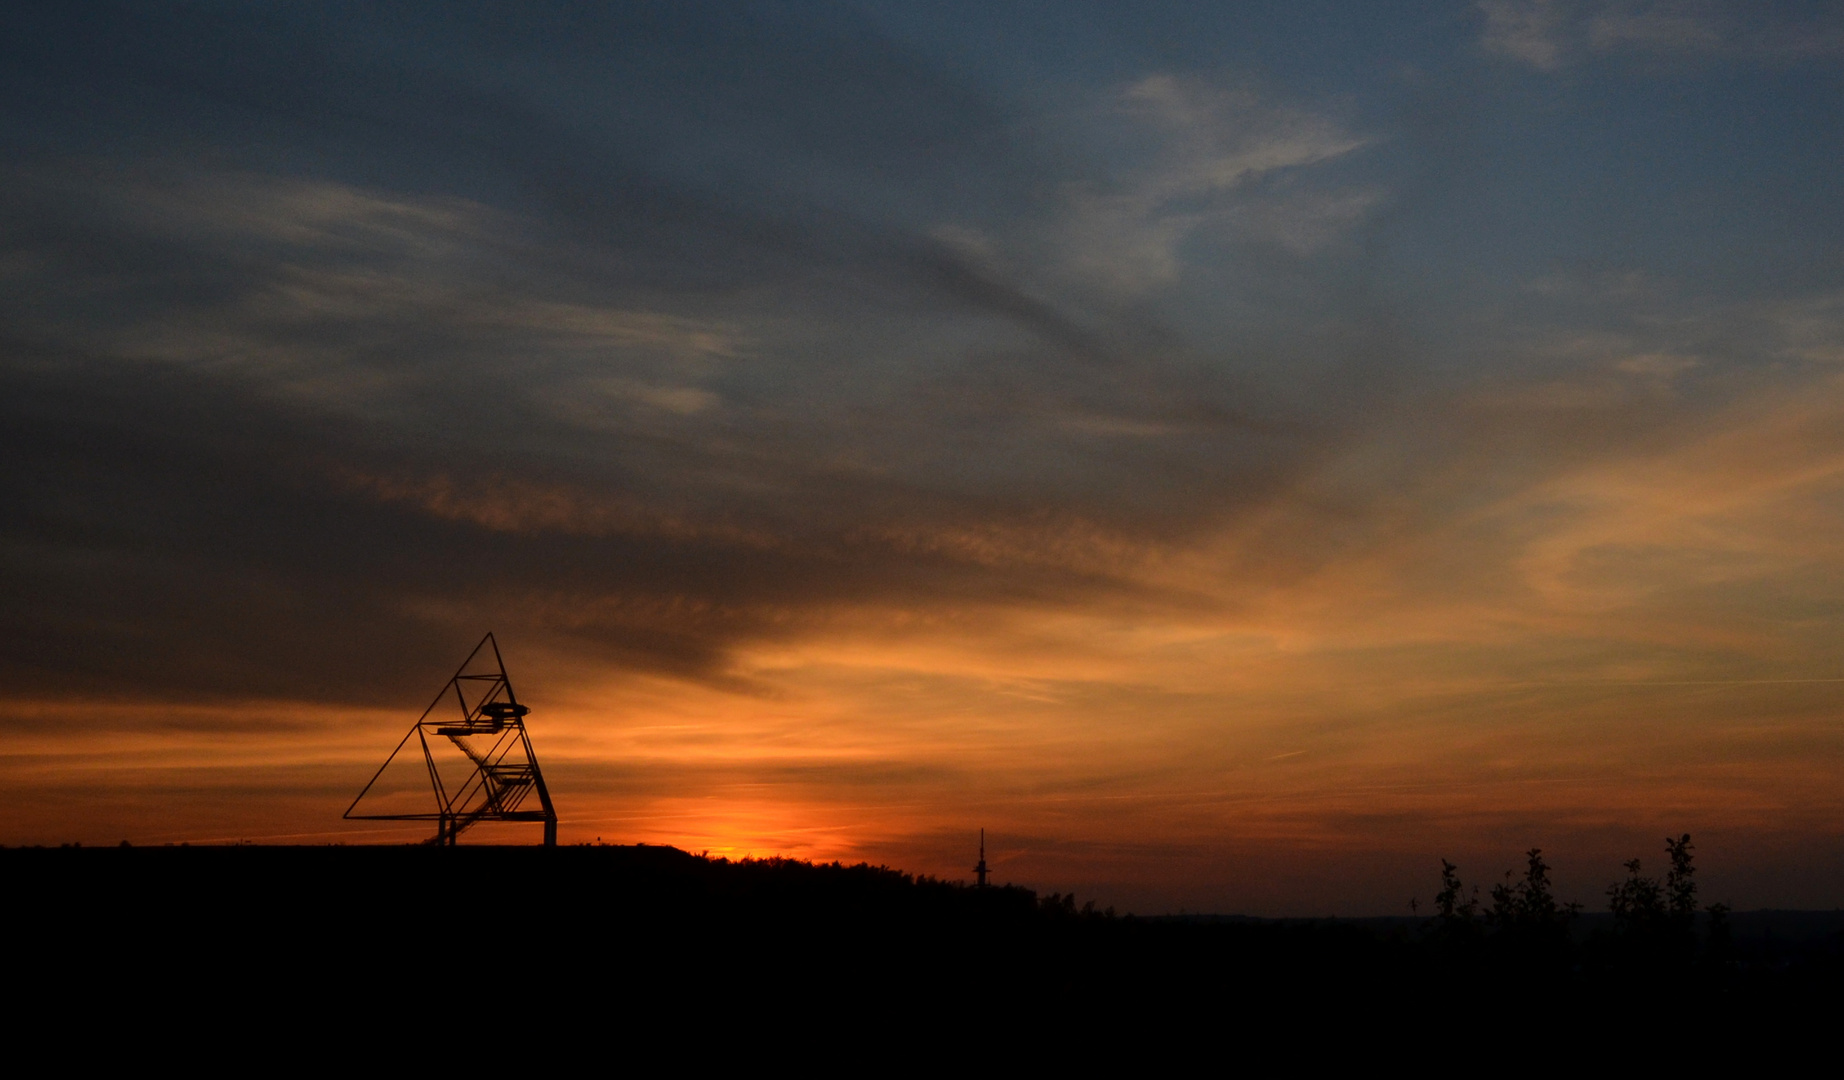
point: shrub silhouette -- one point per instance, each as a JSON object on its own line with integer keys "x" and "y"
{"x": 1529, "y": 905}
{"x": 1638, "y": 903}
{"x": 1452, "y": 905}
{"x": 1680, "y": 883}
{"x": 1655, "y": 922}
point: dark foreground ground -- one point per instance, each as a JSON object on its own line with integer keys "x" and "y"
{"x": 636, "y": 942}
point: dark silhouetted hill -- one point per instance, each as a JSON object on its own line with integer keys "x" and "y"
{"x": 633, "y": 939}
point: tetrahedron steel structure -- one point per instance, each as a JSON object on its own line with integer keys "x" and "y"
{"x": 495, "y": 773}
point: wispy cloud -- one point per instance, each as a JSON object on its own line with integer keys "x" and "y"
{"x": 1551, "y": 34}
{"x": 1526, "y": 30}
{"x": 1183, "y": 157}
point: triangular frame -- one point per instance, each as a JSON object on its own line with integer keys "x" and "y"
{"x": 505, "y": 770}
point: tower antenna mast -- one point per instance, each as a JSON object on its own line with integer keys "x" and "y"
{"x": 979, "y": 871}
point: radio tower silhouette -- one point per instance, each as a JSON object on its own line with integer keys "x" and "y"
{"x": 979, "y": 871}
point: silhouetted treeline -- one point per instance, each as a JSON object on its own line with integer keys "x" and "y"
{"x": 1654, "y": 932}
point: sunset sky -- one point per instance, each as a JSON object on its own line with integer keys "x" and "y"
{"x": 1236, "y": 454}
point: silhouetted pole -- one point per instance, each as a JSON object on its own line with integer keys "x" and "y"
{"x": 979, "y": 871}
